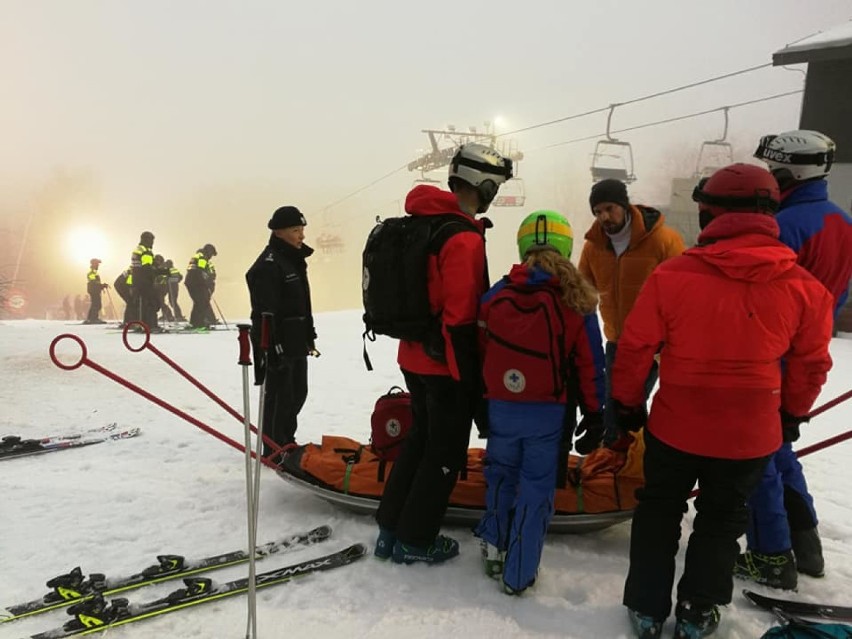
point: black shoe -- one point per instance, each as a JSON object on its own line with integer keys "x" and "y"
{"x": 808, "y": 550}
{"x": 776, "y": 570}
{"x": 695, "y": 623}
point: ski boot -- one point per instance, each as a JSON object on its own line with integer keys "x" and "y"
{"x": 438, "y": 551}
{"x": 492, "y": 559}
{"x": 644, "y": 626}
{"x": 517, "y": 592}
{"x": 384, "y": 544}
{"x": 807, "y": 548}
{"x": 695, "y": 623}
{"x": 776, "y": 570}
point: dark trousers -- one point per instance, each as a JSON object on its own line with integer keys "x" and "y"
{"x": 174, "y": 289}
{"x": 610, "y": 431}
{"x": 418, "y": 488}
{"x": 95, "y": 306}
{"x": 721, "y": 518}
{"x": 286, "y": 392}
{"x": 201, "y": 310}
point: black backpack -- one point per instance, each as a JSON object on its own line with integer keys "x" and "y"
{"x": 394, "y": 275}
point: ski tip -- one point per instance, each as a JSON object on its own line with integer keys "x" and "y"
{"x": 355, "y": 551}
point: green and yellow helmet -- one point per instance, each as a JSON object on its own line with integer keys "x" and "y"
{"x": 545, "y": 228}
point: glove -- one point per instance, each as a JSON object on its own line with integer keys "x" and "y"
{"x": 480, "y": 418}
{"x": 790, "y": 426}
{"x": 590, "y": 431}
{"x": 629, "y": 418}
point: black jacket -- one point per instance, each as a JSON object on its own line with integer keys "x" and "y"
{"x": 278, "y": 283}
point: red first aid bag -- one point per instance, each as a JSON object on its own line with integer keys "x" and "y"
{"x": 390, "y": 422}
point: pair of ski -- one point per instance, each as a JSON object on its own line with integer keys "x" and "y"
{"x": 791, "y": 609}
{"x": 85, "y": 597}
{"x": 14, "y": 446}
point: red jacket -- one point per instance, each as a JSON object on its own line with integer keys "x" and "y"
{"x": 456, "y": 280}
{"x": 725, "y": 314}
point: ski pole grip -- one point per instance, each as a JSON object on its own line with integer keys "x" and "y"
{"x": 265, "y": 322}
{"x": 245, "y": 346}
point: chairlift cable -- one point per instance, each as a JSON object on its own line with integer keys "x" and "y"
{"x": 634, "y": 100}
{"x": 674, "y": 119}
{"x": 365, "y": 187}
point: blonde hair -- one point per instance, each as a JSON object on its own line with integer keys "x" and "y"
{"x": 577, "y": 292}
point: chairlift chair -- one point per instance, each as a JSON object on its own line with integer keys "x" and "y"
{"x": 622, "y": 153}
{"x": 610, "y": 147}
{"x": 714, "y": 154}
{"x": 426, "y": 180}
{"x": 512, "y": 193}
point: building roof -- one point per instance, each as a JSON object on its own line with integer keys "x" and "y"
{"x": 832, "y": 44}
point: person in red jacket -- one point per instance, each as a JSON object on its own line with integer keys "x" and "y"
{"x": 723, "y": 316}
{"x": 444, "y": 379}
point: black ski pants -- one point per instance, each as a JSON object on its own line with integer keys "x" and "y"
{"x": 201, "y": 309}
{"x": 95, "y": 306}
{"x": 721, "y": 518}
{"x": 286, "y": 392}
{"x": 418, "y": 488}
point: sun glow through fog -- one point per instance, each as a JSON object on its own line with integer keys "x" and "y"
{"x": 86, "y": 243}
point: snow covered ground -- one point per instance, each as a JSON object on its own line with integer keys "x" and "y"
{"x": 113, "y": 507}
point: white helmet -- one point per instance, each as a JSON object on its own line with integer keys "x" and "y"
{"x": 797, "y": 155}
{"x": 481, "y": 167}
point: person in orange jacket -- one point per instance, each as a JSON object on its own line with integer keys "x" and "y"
{"x": 726, "y": 313}
{"x": 625, "y": 244}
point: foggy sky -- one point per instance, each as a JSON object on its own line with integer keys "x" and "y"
{"x": 196, "y": 118}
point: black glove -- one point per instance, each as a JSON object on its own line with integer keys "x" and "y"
{"x": 590, "y": 431}
{"x": 790, "y": 426}
{"x": 630, "y": 418}
{"x": 480, "y": 418}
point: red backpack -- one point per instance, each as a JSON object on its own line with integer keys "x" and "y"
{"x": 524, "y": 356}
{"x": 390, "y": 422}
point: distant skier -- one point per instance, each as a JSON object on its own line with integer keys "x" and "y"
{"x": 201, "y": 282}
{"x": 94, "y": 287}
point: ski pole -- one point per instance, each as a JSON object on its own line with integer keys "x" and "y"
{"x": 183, "y": 373}
{"x": 245, "y": 361}
{"x": 224, "y": 321}
{"x": 111, "y": 305}
{"x": 84, "y": 360}
{"x": 831, "y": 441}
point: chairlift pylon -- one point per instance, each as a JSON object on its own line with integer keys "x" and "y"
{"x": 613, "y": 148}
{"x": 714, "y": 150}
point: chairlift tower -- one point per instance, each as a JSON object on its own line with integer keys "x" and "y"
{"x": 443, "y": 144}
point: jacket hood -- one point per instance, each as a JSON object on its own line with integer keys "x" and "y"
{"x": 744, "y": 246}
{"x": 425, "y": 199}
{"x": 522, "y": 275}
{"x": 644, "y": 220}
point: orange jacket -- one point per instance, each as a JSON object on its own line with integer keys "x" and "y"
{"x": 619, "y": 279}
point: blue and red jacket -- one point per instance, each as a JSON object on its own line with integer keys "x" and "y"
{"x": 537, "y": 349}
{"x": 820, "y": 233}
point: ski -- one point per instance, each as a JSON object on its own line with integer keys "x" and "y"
{"x": 97, "y": 615}
{"x": 73, "y": 587}
{"x": 800, "y": 608}
{"x": 12, "y": 439}
{"x": 13, "y": 447}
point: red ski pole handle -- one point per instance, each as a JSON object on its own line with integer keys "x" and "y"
{"x": 245, "y": 344}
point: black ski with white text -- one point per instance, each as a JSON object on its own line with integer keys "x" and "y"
{"x": 800, "y": 608}
{"x": 73, "y": 587}
{"x": 97, "y": 614}
{"x": 13, "y": 446}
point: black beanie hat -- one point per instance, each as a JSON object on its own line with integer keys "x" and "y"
{"x": 609, "y": 191}
{"x": 285, "y": 217}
